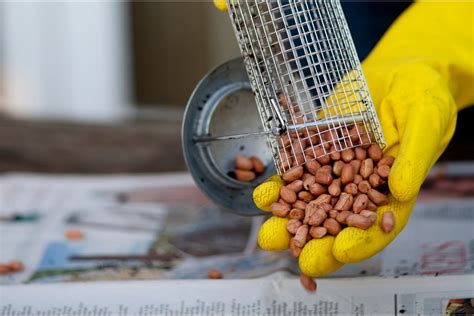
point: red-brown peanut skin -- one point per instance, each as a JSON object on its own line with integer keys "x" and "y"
{"x": 293, "y": 225}
{"x": 388, "y": 222}
{"x": 347, "y": 174}
{"x": 308, "y": 283}
{"x": 359, "y": 221}
{"x": 244, "y": 175}
{"x": 300, "y": 236}
{"x": 317, "y": 232}
{"x": 258, "y": 165}
{"x": 293, "y": 174}
{"x": 280, "y": 210}
{"x": 333, "y": 227}
{"x": 288, "y": 195}
{"x": 295, "y": 186}
{"x": 243, "y": 163}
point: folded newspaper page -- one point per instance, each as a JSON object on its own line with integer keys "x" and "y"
{"x": 277, "y": 295}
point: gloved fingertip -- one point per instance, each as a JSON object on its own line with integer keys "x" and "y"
{"x": 316, "y": 258}
{"x": 220, "y": 4}
{"x": 267, "y": 193}
{"x": 273, "y": 235}
{"x": 405, "y": 180}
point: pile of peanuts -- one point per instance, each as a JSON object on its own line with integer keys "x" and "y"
{"x": 247, "y": 169}
{"x": 335, "y": 191}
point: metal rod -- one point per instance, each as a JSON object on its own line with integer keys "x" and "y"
{"x": 318, "y": 123}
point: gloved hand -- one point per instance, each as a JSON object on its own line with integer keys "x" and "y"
{"x": 420, "y": 75}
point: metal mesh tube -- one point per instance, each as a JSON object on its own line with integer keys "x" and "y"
{"x": 307, "y": 79}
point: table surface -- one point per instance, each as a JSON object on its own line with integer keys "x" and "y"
{"x": 58, "y": 147}
{"x": 139, "y": 146}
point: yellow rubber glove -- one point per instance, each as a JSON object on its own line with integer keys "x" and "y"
{"x": 420, "y": 75}
{"x": 220, "y": 4}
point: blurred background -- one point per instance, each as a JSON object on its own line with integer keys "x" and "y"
{"x": 102, "y": 86}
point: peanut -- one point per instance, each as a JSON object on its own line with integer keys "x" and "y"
{"x": 383, "y": 171}
{"x": 375, "y": 180}
{"x": 345, "y": 202}
{"x": 4, "y": 269}
{"x": 308, "y": 283}
{"x": 377, "y": 197}
{"x": 359, "y": 221}
{"x": 281, "y": 201}
{"x": 366, "y": 168}
{"x": 347, "y": 155}
{"x": 244, "y": 175}
{"x": 293, "y": 174}
{"x": 293, "y": 225}
{"x": 305, "y": 196}
{"x": 369, "y": 214}
{"x": 296, "y": 213}
{"x": 337, "y": 167}
{"x": 386, "y": 161}
{"x": 243, "y": 163}
{"x": 323, "y": 177}
{"x": 308, "y": 182}
{"x": 351, "y": 188}
{"x": 333, "y": 227}
{"x": 309, "y": 211}
{"x": 300, "y": 204}
{"x": 335, "y": 188}
{"x": 288, "y": 195}
{"x": 258, "y": 165}
{"x": 375, "y": 152}
{"x": 279, "y": 209}
{"x": 317, "y": 217}
{"x": 323, "y": 198}
{"x": 358, "y": 179}
{"x": 214, "y": 274}
{"x": 326, "y": 207}
{"x": 360, "y": 203}
{"x": 327, "y": 169}
{"x": 295, "y": 250}
{"x": 313, "y": 166}
{"x": 16, "y": 265}
{"x": 295, "y": 186}
{"x": 335, "y": 154}
{"x": 371, "y": 206}
{"x": 324, "y": 159}
{"x": 364, "y": 186}
{"x": 360, "y": 153}
{"x": 298, "y": 146}
{"x": 333, "y": 213}
{"x": 356, "y": 165}
{"x": 73, "y": 234}
{"x": 342, "y": 216}
{"x": 300, "y": 236}
{"x": 347, "y": 174}
{"x": 317, "y": 189}
{"x": 388, "y": 222}
{"x": 356, "y": 133}
{"x": 317, "y": 231}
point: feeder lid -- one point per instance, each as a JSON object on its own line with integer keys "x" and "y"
{"x": 223, "y": 104}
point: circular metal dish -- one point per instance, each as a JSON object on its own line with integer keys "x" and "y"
{"x": 223, "y": 104}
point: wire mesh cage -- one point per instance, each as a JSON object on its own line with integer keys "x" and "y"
{"x": 310, "y": 91}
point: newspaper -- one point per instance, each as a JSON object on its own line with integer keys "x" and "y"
{"x": 278, "y": 295}
{"x": 160, "y": 227}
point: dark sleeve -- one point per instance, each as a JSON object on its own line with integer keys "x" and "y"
{"x": 368, "y": 21}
